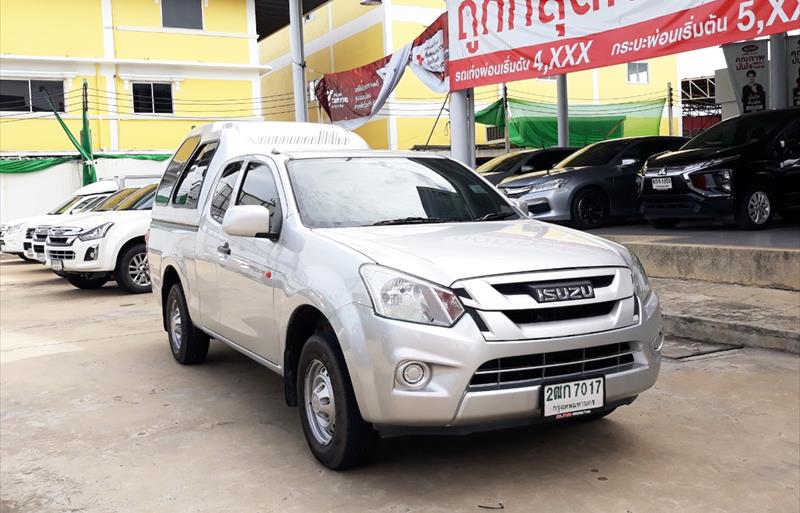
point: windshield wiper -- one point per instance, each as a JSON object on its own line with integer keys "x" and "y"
{"x": 414, "y": 220}
{"x": 496, "y": 216}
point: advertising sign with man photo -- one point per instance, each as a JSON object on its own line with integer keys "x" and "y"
{"x": 748, "y": 65}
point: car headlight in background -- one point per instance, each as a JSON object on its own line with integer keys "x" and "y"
{"x": 713, "y": 181}
{"x": 12, "y": 228}
{"x": 549, "y": 185}
{"x": 403, "y": 297}
{"x": 98, "y": 232}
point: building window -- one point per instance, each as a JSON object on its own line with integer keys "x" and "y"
{"x": 495, "y": 133}
{"x": 152, "y": 98}
{"x": 638, "y": 73}
{"x": 31, "y": 95}
{"x": 185, "y": 14}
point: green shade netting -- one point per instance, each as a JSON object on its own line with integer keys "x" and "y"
{"x": 29, "y": 165}
{"x": 534, "y": 124}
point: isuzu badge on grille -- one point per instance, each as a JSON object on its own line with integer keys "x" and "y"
{"x": 561, "y": 292}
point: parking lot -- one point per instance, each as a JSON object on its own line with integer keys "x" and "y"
{"x": 96, "y": 417}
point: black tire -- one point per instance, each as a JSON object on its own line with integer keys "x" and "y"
{"x": 352, "y": 440}
{"x": 589, "y": 209}
{"x": 663, "y": 224}
{"x": 132, "y": 272}
{"x": 188, "y": 344}
{"x": 86, "y": 283}
{"x": 755, "y": 208}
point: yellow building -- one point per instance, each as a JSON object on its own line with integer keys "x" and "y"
{"x": 155, "y": 68}
{"x": 343, "y": 34}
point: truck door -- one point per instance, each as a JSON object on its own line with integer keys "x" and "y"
{"x": 247, "y": 276}
{"x": 213, "y": 248}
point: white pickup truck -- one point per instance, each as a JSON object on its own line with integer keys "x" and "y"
{"x": 105, "y": 244}
{"x": 392, "y": 291}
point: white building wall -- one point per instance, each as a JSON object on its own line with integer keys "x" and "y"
{"x": 29, "y": 194}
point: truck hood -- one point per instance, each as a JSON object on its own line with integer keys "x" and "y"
{"x": 686, "y": 157}
{"x": 447, "y": 252}
{"x": 92, "y": 219}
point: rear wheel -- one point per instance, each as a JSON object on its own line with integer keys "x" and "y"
{"x": 755, "y": 208}
{"x": 663, "y": 224}
{"x": 188, "y": 343}
{"x": 337, "y": 435}
{"x": 589, "y": 209}
{"x": 133, "y": 273}
{"x": 85, "y": 282}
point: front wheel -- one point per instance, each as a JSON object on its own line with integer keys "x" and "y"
{"x": 133, "y": 272}
{"x": 86, "y": 283}
{"x": 337, "y": 435}
{"x": 589, "y": 209}
{"x": 755, "y": 209}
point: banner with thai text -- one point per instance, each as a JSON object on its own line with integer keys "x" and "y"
{"x": 495, "y": 41}
{"x": 793, "y": 69}
{"x": 748, "y": 67}
{"x": 429, "y": 56}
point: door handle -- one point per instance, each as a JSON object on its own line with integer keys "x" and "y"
{"x": 225, "y": 249}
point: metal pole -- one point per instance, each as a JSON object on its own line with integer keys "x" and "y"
{"x": 563, "y": 110}
{"x": 506, "y": 118}
{"x": 670, "y": 106}
{"x": 298, "y": 60}
{"x": 778, "y": 75}
{"x": 462, "y": 136}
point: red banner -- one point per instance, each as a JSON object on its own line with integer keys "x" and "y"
{"x": 429, "y": 56}
{"x": 495, "y": 41}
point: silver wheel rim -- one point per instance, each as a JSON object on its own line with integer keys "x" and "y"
{"x": 758, "y": 207}
{"x": 138, "y": 270}
{"x": 175, "y": 325}
{"x": 320, "y": 404}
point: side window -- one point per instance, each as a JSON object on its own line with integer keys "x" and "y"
{"x": 647, "y": 149}
{"x": 258, "y": 187}
{"x": 224, "y": 190}
{"x": 174, "y": 168}
{"x": 790, "y": 140}
{"x": 187, "y": 190}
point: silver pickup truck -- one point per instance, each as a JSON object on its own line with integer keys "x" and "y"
{"x": 392, "y": 291}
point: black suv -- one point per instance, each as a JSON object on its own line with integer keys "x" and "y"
{"x": 746, "y": 167}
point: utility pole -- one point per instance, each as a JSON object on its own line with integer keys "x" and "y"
{"x": 506, "y": 118}
{"x": 563, "y": 110}
{"x": 670, "y": 106}
{"x": 462, "y": 127}
{"x": 89, "y": 175}
{"x": 298, "y": 60}
{"x": 778, "y": 74}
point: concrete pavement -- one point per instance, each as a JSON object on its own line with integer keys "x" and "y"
{"x": 96, "y": 417}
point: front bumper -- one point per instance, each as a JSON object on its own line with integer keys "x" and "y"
{"x": 688, "y": 205}
{"x": 11, "y": 242}
{"x": 374, "y": 347}
{"x": 552, "y": 205}
{"x": 76, "y": 258}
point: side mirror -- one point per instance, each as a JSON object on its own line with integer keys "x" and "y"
{"x": 629, "y": 162}
{"x": 247, "y": 221}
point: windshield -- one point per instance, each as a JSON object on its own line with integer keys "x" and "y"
{"x": 112, "y": 201}
{"x": 598, "y": 154}
{"x": 736, "y": 132}
{"x": 347, "y": 192}
{"x": 142, "y": 199}
{"x": 503, "y": 163}
{"x": 66, "y": 206}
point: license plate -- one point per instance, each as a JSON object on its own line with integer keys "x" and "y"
{"x": 573, "y": 398}
{"x": 662, "y": 184}
{"x": 57, "y": 265}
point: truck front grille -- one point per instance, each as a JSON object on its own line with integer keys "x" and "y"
{"x": 61, "y": 255}
{"x": 29, "y": 233}
{"x": 565, "y": 313}
{"x": 529, "y": 370}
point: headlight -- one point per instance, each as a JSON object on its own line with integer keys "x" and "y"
{"x": 403, "y": 297}
{"x": 641, "y": 285}
{"x": 550, "y": 185}
{"x": 12, "y": 228}
{"x": 713, "y": 181}
{"x": 708, "y": 163}
{"x": 98, "y": 232}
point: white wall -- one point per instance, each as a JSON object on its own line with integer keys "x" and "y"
{"x": 28, "y": 194}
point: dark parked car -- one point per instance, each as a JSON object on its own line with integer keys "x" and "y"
{"x": 745, "y": 167}
{"x": 591, "y": 185}
{"x": 521, "y": 162}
